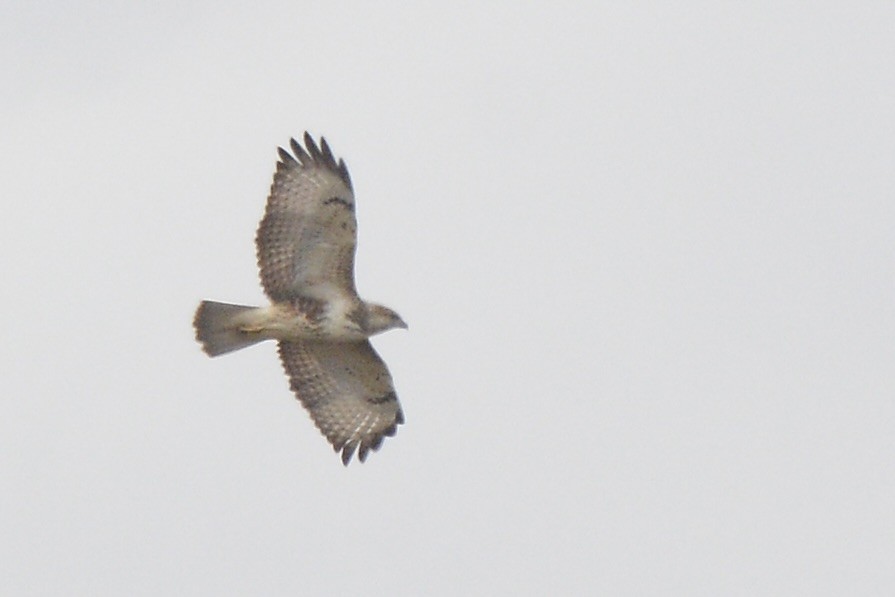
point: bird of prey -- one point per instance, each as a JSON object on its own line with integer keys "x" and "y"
{"x": 305, "y": 245}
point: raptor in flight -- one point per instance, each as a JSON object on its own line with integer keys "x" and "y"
{"x": 306, "y": 244}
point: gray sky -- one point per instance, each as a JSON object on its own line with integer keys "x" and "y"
{"x": 646, "y": 255}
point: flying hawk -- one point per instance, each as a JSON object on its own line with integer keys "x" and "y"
{"x": 306, "y": 244}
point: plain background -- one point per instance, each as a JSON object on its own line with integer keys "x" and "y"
{"x": 645, "y": 252}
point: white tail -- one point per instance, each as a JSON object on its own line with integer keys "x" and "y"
{"x": 218, "y": 328}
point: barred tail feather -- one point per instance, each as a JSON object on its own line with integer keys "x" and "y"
{"x": 218, "y": 328}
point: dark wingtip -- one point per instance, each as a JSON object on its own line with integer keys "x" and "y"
{"x": 311, "y": 147}
{"x": 286, "y": 157}
{"x": 348, "y": 452}
{"x": 343, "y": 172}
{"x": 311, "y": 154}
{"x": 299, "y": 152}
{"x": 327, "y": 152}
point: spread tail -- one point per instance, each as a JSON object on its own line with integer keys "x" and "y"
{"x": 218, "y": 328}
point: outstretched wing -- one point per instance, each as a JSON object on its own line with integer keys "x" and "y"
{"x": 308, "y": 234}
{"x": 348, "y": 391}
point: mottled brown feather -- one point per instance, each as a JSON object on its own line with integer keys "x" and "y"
{"x": 307, "y": 238}
{"x": 348, "y": 391}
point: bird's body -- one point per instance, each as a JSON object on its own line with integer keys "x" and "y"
{"x": 306, "y": 243}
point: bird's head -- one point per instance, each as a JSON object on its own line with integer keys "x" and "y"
{"x": 380, "y": 319}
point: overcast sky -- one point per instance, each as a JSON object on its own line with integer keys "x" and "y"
{"x": 646, "y": 254}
